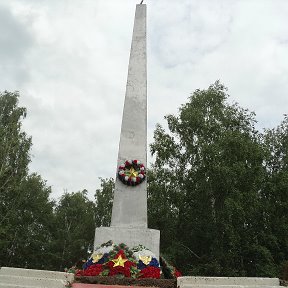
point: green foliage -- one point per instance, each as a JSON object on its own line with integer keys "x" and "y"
{"x": 25, "y": 207}
{"x": 28, "y": 227}
{"x": 275, "y": 191}
{"x": 75, "y": 222}
{"x": 210, "y": 184}
{"x": 217, "y": 191}
{"x": 104, "y": 201}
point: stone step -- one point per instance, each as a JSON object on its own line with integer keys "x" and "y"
{"x": 190, "y": 281}
{"x": 32, "y": 281}
{"x": 225, "y": 286}
{"x": 4, "y": 285}
{"x": 36, "y": 273}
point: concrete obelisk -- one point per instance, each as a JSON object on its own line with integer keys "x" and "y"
{"x": 129, "y": 214}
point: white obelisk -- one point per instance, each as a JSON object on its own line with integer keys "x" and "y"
{"x": 129, "y": 214}
{"x": 130, "y": 203}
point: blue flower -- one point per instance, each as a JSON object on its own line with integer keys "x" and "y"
{"x": 154, "y": 263}
{"x": 141, "y": 265}
{"x": 87, "y": 264}
{"x": 103, "y": 259}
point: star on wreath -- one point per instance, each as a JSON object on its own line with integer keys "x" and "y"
{"x": 132, "y": 172}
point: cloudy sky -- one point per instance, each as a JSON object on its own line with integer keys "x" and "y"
{"x": 69, "y": 58}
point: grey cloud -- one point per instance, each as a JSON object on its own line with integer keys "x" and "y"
{"x": 15, "y": 42}
{"x": 76, "y": 57}
{"x": 189, "y": 31}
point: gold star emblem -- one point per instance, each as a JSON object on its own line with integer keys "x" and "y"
{"x": 96, "y": 257}
{"x": 145, "y": 259}
{"x": 133, "y": 172}
{"x": 119, "y": 261}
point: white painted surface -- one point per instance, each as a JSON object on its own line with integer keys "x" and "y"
{"x": 129, "y": 213}
{"x": 150, "y": 238}
{"x": 130, "y": 203}
{"x": 15, "y": 286}
{"x": 25, "y": 278}
{"x": 35, "y": 273}
{"x": 227, "y": 282}
{"x": 32, "y": 281}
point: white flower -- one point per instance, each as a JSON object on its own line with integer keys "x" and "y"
{"x": 126, "y": 178}
{"x": 104, "y": 250}
{"x": 144, "y": 252}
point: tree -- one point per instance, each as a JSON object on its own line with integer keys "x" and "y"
{"x": 14, "y": 152}
{"x": 29, "y": 228}
{"x": 25, "y": 208}
{"x": 210, "y": 165}
{"x": 75, "y": 227}
{"x": 162, "y": 209}
{"x": 104, "y": 201}
{"x": 275, "y": 192}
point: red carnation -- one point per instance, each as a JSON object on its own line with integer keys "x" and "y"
{"x": 177, "y": 273}
{"x": 120, "y": 269}
{"x": 79, "y": 272}
{"x": 135, "y": 161}
{"x": 150, "y": 272}
{"x": 93, "y": 270}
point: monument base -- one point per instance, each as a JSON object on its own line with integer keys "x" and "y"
{"x": 150, "y": 238}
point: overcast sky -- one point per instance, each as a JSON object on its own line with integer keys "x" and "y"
{"x": 69, "y": 59}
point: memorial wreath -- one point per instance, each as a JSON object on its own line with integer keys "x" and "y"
{"x": 119, "y": 260}
{"x": 132, "y": 172}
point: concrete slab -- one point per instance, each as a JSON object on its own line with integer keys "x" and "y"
{"x": 227, "y": 286}
{"x": 32, "y": 281}
{"x": 36, "y": 273}
{"x": 228, "y": 282}
{"x": 16, "y": 286}
{"x": 30, "y": 278}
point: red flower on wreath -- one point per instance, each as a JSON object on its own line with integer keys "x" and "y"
{"x": 177, "y": 273}
{"x": 93, "y": 270}
{"x": 120, "y": 265}
{"x": 150, "y": 272}
{"x": 79, "y": 272}
{"x": 132, "y": 172}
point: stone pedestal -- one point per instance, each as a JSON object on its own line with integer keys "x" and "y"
{"x": 150, "y": 238}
